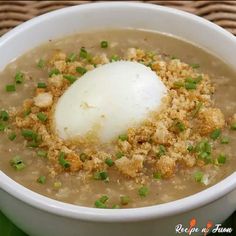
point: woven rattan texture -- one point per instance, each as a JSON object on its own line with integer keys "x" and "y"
{"x": 12, "y": 13}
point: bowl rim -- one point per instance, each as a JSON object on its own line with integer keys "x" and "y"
{"x": 49, "y": 205}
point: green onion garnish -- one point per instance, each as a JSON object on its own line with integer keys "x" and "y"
{"x": 100, "y": 203}
{"x": 157, "y": 175}
{"x": 83, "y": 157}
{"x": 221, "y": 159}
{"x": 102, "y": 175}
{"x": 42, "y": 85}
{"x": 62, "y": 161}
{"x": 2, "y": 127}
{"x": 10, "y": 88}
{"x": 42, "y": 116}
{"x": 53, "y": 72}
{"x": 41, "y": 63}
{"x": 28, "y": 133}
{"x": 114, "y": 58}
{"x": 26, "y": 112}
{"x": 109, "y": 162}
{"x": 195, "y": 66}
{"x": 72, "y": 57}
{"x": 17, "y": 163}
{"x": 197, "y": 109}
{"x": 119, "y": 155}
{"x": 42, "y": 153}
{"x": 143, "y": 191}
{"x": 70, "y": 78}
{"x": 104, "y": 44}
{"x": 224, "y": 140}
{"x": 215, "y": 134}
{"x": 233, "y": 126}
{"x": 190, "y": 148}
{"x": 41, "y": 179}
{"x": 162, "y": 151}
{"x": 81, "y": 70}
{"x": 124, "y": 200}
{"x": 12, "y": 136}
{"x": 123, "y": 137}
{"x": 57, "y": 184}
{"x": 19, "y": 77}
{"x": 83, "y": 53}
{"x": 180, "y": 126}
{"x": 4, "y": 116}
{"x": 198, "y": 176}
{"x": 178, "y": 84}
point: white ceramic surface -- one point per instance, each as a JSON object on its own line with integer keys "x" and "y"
{"x": 41, "y": 216}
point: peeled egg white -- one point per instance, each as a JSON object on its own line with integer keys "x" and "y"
{"x": 108, "y": 100}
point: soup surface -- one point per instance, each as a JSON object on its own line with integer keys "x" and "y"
{"x": 178, "y": 151}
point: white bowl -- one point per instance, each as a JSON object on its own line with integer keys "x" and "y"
{"x": 41, "y": 216}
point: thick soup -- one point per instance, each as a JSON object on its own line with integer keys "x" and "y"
{"x": 183, "y": 147}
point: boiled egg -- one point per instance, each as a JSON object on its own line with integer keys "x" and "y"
{"x": 107, "y": 101}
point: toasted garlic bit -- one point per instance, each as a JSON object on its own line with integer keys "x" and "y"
{"x": 43, "y": 100}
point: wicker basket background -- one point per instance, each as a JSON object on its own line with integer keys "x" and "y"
{"x": 13, "y": 13}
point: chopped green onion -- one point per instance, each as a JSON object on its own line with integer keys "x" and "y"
{"x": 124, "y": 200}
{"x": 173, "y": 57}
{"x": 99, "y": 204}
{"x": 28, "y": 133}
{"x": 83, "y": 157}
{"x": 72, "y": 57}
{"x": 54, "y": 71}
{"x": 104, "y": 44}
{"x": 190, "y": 86}
{"x": 19, "y": 77}
{"x": 224, "y": 140}
{"x": 83, "y": 53}
{"x": 42, "y": 85}
{"x": 116, "y": 206}
{"x": 12, "y": 136}
{"x": 114, "y": 58}
{"x": 4, "y": 115}
{"x": 42, "y": 116}
{"x": 178, "y": 84}
{"x": 2, "y": 127}
{"x": 221, "y": 159}
{"x": 103, "y": 198}
{"x": 10, "y": 88}
{"x": 157, "y": 175}
{"x": 62, "y": 161}
{"x": 190, "y": 148}
{"x": 70, "y": 78}
{"x": 42, "y": 153}
{"x": 41, "y": 63}
{"x": 180, "y": 126}
{"x": 119, "y": 155}
{"x": 197, "y": 109}
{"x": 195, "y": 66}
{"x": 143, "y": 191}
{"x": 17, "y": 163}
{"x": 26, "y": 112}
{"x": 57, "y": 184}
{"x": 81, "y": 70}
{"x": 123, "y": 137}
{"x": 198, "y": 176}
{"x": 162, "y": 151}
{"x": 109, "y": 162}
{"x": 41, "y": 179}
{"x": 198, "y": 79}
{"x": 203, "y": 149}
{"x": 215, "y": 134}
{"x": 233, "y": 126}
{"x": 102, "y": 175}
